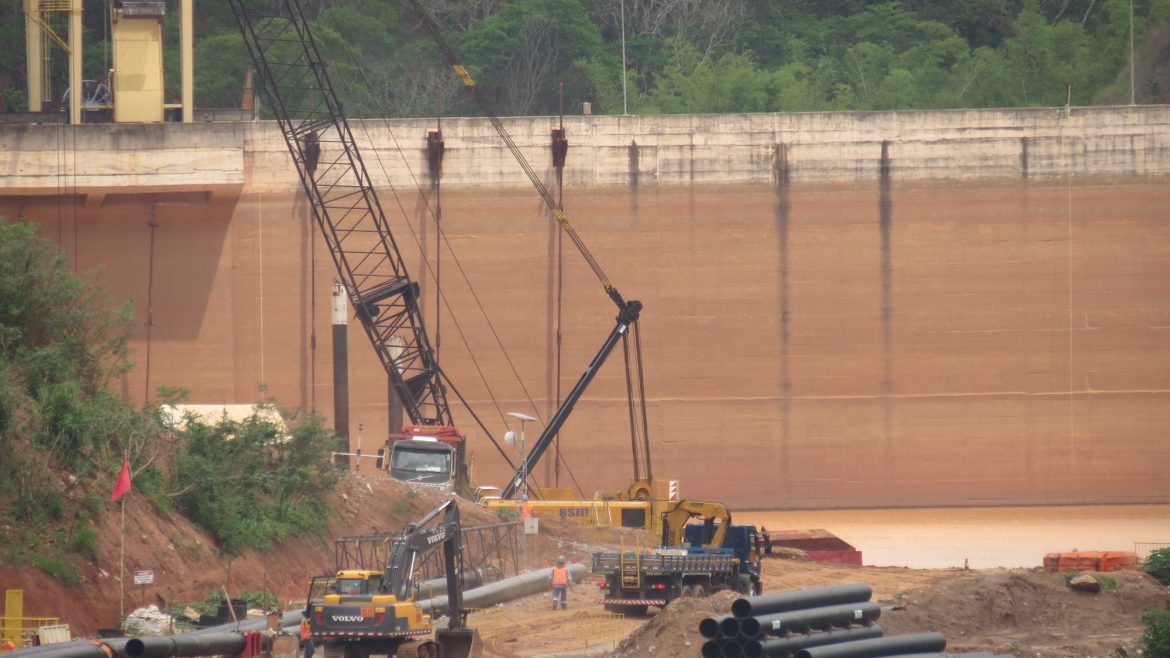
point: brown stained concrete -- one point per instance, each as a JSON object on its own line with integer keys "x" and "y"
{"x": 1004, "y": 343}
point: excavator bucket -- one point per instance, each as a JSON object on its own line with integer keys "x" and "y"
{"x": 459, "y": 643}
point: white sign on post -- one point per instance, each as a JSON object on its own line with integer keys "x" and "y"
{"x": 144, "y": 577}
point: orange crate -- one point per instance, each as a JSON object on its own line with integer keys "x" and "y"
{"x": 1118, "y": 561}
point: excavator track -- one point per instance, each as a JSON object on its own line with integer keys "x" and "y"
{"x": 408, "y": 649}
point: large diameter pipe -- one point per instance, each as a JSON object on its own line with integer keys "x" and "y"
{"x": 428, "y": 588}
{"x": 803, "y": 621}
{"x": 75, "y": 649}
{"x": 882, "y": 647}
{"x": 503, "y": 590}
{"x": 731, "y": 649}
{"x": 712, "y": 649}
{"x": 210, "y": 644}
{"x": 729, "y": 627}
{"x": 713, "y": 627}
{"x": 785, "y": 646}
{"x": 799, "y": 599}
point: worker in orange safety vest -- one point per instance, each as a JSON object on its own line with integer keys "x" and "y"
{"x": 561, "y": 580}
{"x": 306, "y": 636}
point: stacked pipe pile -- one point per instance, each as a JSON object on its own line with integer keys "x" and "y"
{"x": 825, "y": 622}
{"x": 787, "y": 622}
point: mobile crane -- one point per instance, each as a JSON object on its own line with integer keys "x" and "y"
{"x": 355, "y": 614}
{"x": 346, "y": 208}
{"x": 695, "y": 559}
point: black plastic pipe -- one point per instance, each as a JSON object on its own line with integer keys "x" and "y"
{"x": 731, "y": 649}
{"x": 784, "y": 646}
{"x": 803, "y": 621}
{"x": 709, "y": 626}
{"x": 882, "y": 647}
{"x": 167, "y": 646}
{"x": 729, "y": 627}
{"x": 712, "y": 649}
{"x": 799, "y": 599}
{"x": 74, "y": 649}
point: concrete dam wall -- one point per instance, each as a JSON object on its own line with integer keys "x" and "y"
{"x": 841, "y": 309}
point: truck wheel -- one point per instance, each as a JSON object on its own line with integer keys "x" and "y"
{"x": 743, "y": 585}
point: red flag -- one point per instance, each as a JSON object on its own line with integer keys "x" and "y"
{"x": 123, "y": 485}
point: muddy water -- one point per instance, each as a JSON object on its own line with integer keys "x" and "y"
{"x": 983, "y": 537}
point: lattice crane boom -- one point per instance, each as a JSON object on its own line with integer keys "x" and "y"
{"x": 343, "y": 201}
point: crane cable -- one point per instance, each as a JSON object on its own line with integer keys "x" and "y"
{"x": 427, "y": 267}
{"x": 461, "y": 72}
{"x": 446, "y": 303}
{"x": 448, "y": 53}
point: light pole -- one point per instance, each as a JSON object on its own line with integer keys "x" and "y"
{"x": 524, "y": 418}
{"x": 1131, "y": 61}
{"x": 625, "y": 107}
{"x": 510, "y": 438}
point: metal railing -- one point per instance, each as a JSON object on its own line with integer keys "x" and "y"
{"x": 20, "y": 630}
{"x": 1143, "y": 549}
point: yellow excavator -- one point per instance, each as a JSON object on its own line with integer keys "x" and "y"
{"x": 356, "y": 614}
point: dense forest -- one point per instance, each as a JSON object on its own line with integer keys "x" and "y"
{"x": 684, "y": 56}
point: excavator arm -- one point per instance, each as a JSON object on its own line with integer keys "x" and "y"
{"x": 415, "y": 542}
{"x": 674, "y": 520}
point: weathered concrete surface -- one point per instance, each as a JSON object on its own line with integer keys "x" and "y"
{"x": 609, "y": 150}
{"x": 809, "y": 343}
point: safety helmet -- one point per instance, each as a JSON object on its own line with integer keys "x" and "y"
{"x": 560, "y": 560}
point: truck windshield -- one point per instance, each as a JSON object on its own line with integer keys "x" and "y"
{"x": 423, "y": 461}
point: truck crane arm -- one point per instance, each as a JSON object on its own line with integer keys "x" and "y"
{"x": 626, "y": 317}
{"x": 674, "y": 521}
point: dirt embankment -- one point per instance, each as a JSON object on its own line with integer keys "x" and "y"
{"x": 187, "y": 566}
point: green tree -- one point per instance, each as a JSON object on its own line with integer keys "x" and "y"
{"x": 61, "y": 342}
{"x": 520, "y": 54}
{"x": 731, "y": 83}
{"x": 253, "y": 483}
{"x": 1157, "y": 634}
{"x": 1158, "y": 565}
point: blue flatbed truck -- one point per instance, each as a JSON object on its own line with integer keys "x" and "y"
{"x": 635, "y": 580}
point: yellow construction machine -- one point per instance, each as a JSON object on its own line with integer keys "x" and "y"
{"x": 357, "y": 613}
